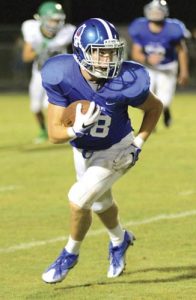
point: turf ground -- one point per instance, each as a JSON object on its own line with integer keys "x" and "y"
{"x": 157, "y": 201}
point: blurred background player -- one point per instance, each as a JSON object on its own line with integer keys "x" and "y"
{"x": 158, "y": 42}
{"x": 44, "y": 36}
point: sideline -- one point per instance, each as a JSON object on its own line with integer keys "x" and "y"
{"x": 157, "y": 218}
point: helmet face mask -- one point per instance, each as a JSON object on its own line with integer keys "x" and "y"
{"x": 51, "y": 16}
{"x": 156, "y": 11}
{"x": 52, "y": 24}
{"x": 97, "y": 48}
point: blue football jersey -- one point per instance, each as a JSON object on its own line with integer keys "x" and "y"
{"x": 64, "y": 84}
{"x": 162, "y": 43}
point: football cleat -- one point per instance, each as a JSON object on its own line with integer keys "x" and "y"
{"x": 167, "y": 117}
{"x": 117, "y": 255}
{"x": 60, "y": 268}
{"x": 42, "y": 137}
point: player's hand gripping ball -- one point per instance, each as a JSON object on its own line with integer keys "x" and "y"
{"x": 70, "y": 112}
{"x": 81, "y": 116}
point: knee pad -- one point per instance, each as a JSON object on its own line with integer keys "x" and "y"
{"x": 103, "y": 203}
{"x": 95, "y": 183}
{"x": 35, "y": 106}
{"x": 81, "y": 195}
{"x": 89, "y": 198}
{"x": 100, "y": 207}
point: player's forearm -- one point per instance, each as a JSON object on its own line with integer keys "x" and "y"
{"x": 183, "y": 62}
{"x": 58, "y": 134}
{"x": 183, "y": 57}
{"x": 28, "y": 56}
{"x": 150, "y": 120}
{"x": 138, "y": 55}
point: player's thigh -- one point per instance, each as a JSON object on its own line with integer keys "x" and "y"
{"x": 36, "y": 92}
{"x": 103, "y": 203}
{"x": 166, "y": 87}
{"x": 92, "y": 185}
{"x": 96, "y": 174}
{"x": 152, "y": 74}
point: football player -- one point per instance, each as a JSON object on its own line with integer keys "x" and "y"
{"x": 158, "y": 42}
{"x": 104, "y": 146}
{"x": 44, "y": 36}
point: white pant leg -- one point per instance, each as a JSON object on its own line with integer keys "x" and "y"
{"x": 166, "y": 87}
{"x": 163, "y": 83}
{"x": 152, "y": 74}
{"x": 38, "y": 96}
{"x": 96, "y": 176}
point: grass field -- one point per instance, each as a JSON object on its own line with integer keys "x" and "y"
{"x": 157, "y": 201}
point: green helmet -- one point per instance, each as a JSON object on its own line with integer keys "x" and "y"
{"x": 48, "y": 11}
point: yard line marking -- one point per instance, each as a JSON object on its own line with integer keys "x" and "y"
{"x": 187, "y": 193}
{"x": 8, "y": 188}
{"x": 163, "y": 217}
{"x": 157, "y": 218}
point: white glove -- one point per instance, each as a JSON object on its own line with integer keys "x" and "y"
{"x": 126, "y": 159}
{"x": 84, "y": 122}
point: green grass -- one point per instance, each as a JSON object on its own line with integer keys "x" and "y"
{"x": 33, "y": 187}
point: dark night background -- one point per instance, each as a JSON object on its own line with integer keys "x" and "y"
{"x": 116, "y": 11}
{"x": 119, "y": 12}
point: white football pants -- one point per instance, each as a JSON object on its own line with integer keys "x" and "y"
{"x": 95, "y": 176}
{"x": 38, "y": 96}
{"x": 163, "y": 83}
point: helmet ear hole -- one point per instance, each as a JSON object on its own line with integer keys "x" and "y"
{"x": 93, "y": 42}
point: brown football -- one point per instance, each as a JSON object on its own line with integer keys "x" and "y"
{"x": 70, "y": 112}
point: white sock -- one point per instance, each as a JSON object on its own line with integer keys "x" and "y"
{"x": 116, "y": 235}
{"x": 73, "y": 246}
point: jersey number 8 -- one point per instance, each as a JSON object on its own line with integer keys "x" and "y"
{"x": 101, "y": 129}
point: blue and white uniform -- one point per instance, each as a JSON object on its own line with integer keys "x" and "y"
{"x": 64, "y": 84}
{"x": 112, "y": 134}
{"x": 163, "y": 75}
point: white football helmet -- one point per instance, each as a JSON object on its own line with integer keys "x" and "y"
{"x": 51, "y": 16}
{"x": 156, "y": 11}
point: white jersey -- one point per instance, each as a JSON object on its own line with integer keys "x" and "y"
{"x": 43, "y": 46}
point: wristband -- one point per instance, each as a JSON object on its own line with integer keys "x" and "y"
{"x": 71, "y": 133}
{"x": 138, "y": 141}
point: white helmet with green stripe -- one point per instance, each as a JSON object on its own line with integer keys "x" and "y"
{"x": 52, "y": 17}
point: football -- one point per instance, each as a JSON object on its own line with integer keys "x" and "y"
{"x": 70, "y": 112}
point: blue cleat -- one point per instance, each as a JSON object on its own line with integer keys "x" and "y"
{"x": 117, "y": 255}
{"x": 59, "y": 269}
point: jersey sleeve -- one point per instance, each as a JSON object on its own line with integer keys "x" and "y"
{"x": 54, "y": 94}
{"x": 134, "y": 31}
{"x": 28, "y": 30}
{"x": 179, "y": 30}
{"x": 63, "y": 39}
{"x": 66, "y": 34}
{"x": 141, "y": 87}
{"x": 53, "y": 80}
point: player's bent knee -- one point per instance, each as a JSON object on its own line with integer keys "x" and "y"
{"x": 100, "y": 207}
{"x": 81, "y": 196}
{"x": 35, "y": 108}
